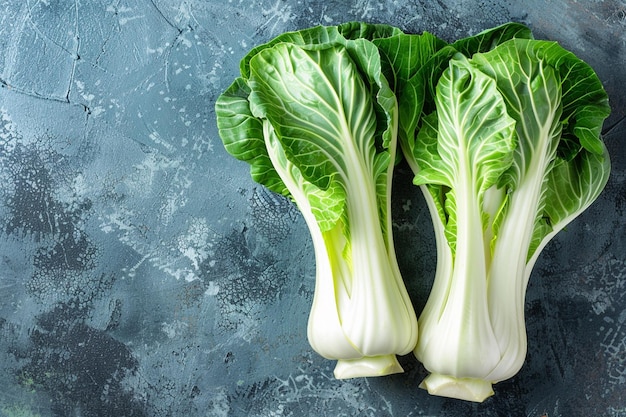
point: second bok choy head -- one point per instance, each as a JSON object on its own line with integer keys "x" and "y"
{"x": 507, "y": 152}
{"x": 317, "y": 120}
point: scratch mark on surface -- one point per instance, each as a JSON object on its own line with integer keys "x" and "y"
{"x": 172, "y": 44}
{"x": 275, "y": 15}
{"x": 613, "y": 126}
{"x": 167, "y": 20}
{"x": 47, "y": 38}
{"x": 31, "y": 93}
{"x": 37, "y": 30}
{"x": 75, "y": 54}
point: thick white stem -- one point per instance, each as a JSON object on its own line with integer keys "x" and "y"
{"x": 457, "y": 343}
{"x": 460, "y": 343}
{"x": 510, "y": 269}
{"x": 378, "y": 317}
{"x": 325, "y": 332}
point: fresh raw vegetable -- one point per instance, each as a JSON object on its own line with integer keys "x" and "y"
{"x": 502, "y": 133}
{"x": 509, "y": 155}
{"x": 315, "y": 117}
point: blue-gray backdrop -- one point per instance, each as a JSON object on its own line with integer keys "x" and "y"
{"x": 143, "y": 273}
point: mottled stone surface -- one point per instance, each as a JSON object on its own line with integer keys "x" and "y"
{"x": 142, "y": 272}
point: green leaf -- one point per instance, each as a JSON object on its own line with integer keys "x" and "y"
{"x": 532, "y": 90}
{"x": 475, "y": 139}
{"x": 559, "y": 106}
{"x": 318, "y": 105}
{"x": 241, "y": 111}
{"x": 417, "y": 97}
{"x": 317, "y": 35}
{"x": 475, "y": 134}
{"x": 369, "y": 31}
{"x": 488, "y": 39}
{"x": 404, "y": 56}
{"x": 426, "y": 151}
{"x": 325, "y": 205}
{"x": 323, "y": 35}
{"x": 572, "y": 186}
{"x": 242, "y": 135}
{"x": 585, "y": 102}
{"x": 334, "y": 115}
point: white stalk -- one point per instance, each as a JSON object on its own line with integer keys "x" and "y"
{"x": 376, "y": 315}
{"x": 460, "y": 353}
{"x": 510, "y": 270}
{"x": 361, "y": 313}
{"x": 509, "y": 277}
{"x": 325, "y": 332}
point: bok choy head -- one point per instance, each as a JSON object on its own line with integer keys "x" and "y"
{"x": 315, "y": 117}
{"x": 508, "y": 154}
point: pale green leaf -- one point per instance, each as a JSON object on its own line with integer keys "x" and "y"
{"x": 474, "y": 140}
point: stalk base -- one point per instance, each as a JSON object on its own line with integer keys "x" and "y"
{"x": 468, "y": 389}
{"x": 367, "y": 366}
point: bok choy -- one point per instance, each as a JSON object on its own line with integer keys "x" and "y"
{"x": 503, "y": 135}
{"x": 316, "y": 119}
{"x": 510, "y": 154}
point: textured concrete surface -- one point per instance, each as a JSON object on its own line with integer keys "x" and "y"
{"x": 142, "y": 272}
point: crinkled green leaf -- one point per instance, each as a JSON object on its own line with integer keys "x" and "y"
{"x": 321, "y": 35}
{"x": 475, "y": 140}
{"x": 418, "y": 95}
{"x": 559, "y": 106}
{"x": 369, "y": 31}
{"x": 490, "y": 38}
{"x": 317, "y": 35}
{"x": 333, "y": 112}
{"x": 404, "y": 56}
{"x": 572, "y": 186}
{"x": 242, "y": 132}
{"x": 242, "y": 135}
{"x": 319, "y": 106}
{"x": 585, "y": 102}
{"x": 326, "y": 205}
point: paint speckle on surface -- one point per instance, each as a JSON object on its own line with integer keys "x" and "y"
{"x": 143, "y": 273}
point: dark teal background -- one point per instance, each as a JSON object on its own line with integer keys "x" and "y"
{"x": 142, "y": 272}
